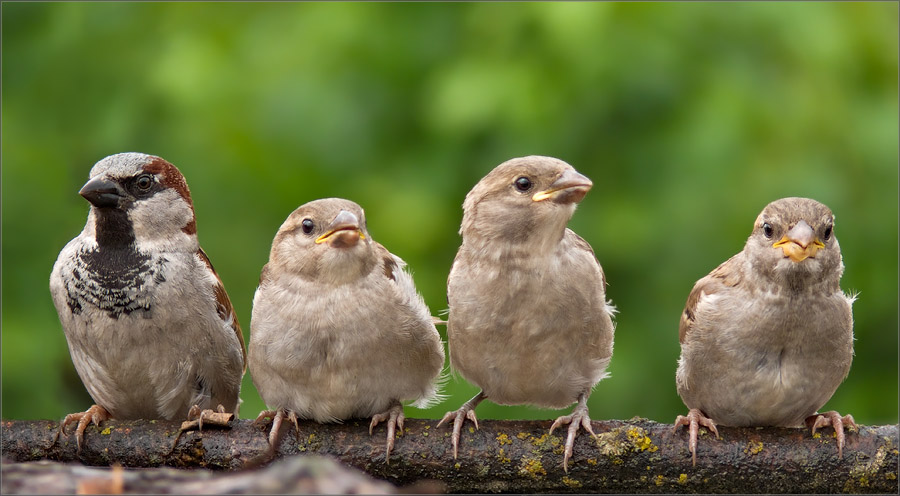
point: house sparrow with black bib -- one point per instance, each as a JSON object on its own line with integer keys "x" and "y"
{"x": 529, "y": 322}
{"x": 338, "y": 330}
{"x": 767, "y": 337}
{"x": 149, "y": 326}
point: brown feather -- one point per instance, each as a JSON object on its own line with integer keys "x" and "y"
{"x": 724, "y": 276}
{"x": 170, "y": 177}
{"x": 584, "y": 245}
{"x": 224, "y": 307}
{"x": 390, "y": 266}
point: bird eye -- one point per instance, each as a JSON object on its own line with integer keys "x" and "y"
{"x": 144, "y": 182}
{"x": 307, "y": 225}
{"x": 827, "y": 233}
{"x": 768, "y": 230}
{"x": 523, "y": 184}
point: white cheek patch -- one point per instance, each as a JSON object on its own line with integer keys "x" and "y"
{"x": 158, "y": 221}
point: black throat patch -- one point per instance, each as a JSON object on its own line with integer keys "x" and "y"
{"x": 112, "y": 228}
{"x": 115, "y": 280}
{"x": 114, "y": 277}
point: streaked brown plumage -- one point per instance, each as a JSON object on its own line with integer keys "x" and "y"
{"x": 529, "y": 322}
{"x": 338, "y": 330}
{"x": 767, "y": 336}
{"x": 149, "y": 325}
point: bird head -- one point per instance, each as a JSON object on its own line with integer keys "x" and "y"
{"x": 325, "y": 239}
{"x": 527, "y": 199}
{"x": 140, "y": 199}
{"x": 793, "y": 239}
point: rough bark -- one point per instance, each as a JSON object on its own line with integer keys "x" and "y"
{"x": 634, "y": 456}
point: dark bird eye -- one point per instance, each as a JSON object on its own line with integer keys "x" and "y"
{"x": 827, "y": 233}
{"x": 768, "y": 230}
{"x": 144, "y": 182}
{"x": 523, "y": 184}
{"x": 307, "y": 225}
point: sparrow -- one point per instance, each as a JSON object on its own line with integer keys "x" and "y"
{"x": 528, "y": 322}
{"x": 767, "y": 336}
{"x": 149, "y": 326}
{"x": 338, "y": 330}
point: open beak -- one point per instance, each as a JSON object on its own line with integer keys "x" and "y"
{"x": 343, "y": 232}
{"x": 101, "y": 192}
{"x": 800, "y": 243}
{"x": 570, "y": 187}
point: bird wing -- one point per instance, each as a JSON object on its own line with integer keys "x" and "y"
{"x": 391, "y": 265}
{"x": 449, "y": 274}
{"x": 724, "y": 276}
{"x": 224, "y": 307}
{"x": 394, "y": 268}
{"x": 581, "y": 244}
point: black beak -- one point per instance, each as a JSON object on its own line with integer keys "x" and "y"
{"x": 101, "y": 193}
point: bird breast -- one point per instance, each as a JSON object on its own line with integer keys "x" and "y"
{"x": 758, "y": 361}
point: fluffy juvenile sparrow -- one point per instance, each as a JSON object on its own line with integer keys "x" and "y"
{"x": 338, "y": 330}
{"x": 150, "y": 328}
{"x": 767, "y": 337}
{"x": 529, "y": 322}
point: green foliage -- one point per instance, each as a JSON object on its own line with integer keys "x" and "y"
{"x": 689, "y": 118}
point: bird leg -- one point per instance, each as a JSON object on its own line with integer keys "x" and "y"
{"x": 466, "y": 411}
{"x": 834, "y": 420}
{"x": 694, "y": 420}
{"x": 394, "y": 417}
{"x": 578, "y": 417}
{"x": 95, "y": 414}
{"x": 277, "y": 417}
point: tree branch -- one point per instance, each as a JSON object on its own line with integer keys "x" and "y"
{"x": 293, "y": 475}
{"x": 634, "y": 456}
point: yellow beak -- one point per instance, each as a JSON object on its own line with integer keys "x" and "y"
{"x": 570, "y": 187}
{"x": 800, "y": 243}
{"x": 347, "y": 225}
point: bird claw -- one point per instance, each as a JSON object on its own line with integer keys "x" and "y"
{"x": 577, "y": 419}
{"x": 276, "y": 425}
{"x": 93, "y": 415}
{"x": 694, "y": 420}
{"x": 277, "y": 417}
{"x": 459, "y": 417}
{"x": 834, "y": 420}
{"x": 394, "y": 417}
{"x": 471, "y": 416}
{"x": 196, "y": 417}
{"x": 263, "y": 415}
{"x": 466, "y": 411}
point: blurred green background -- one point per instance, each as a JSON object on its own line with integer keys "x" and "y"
{"x": 689, "y": 118}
